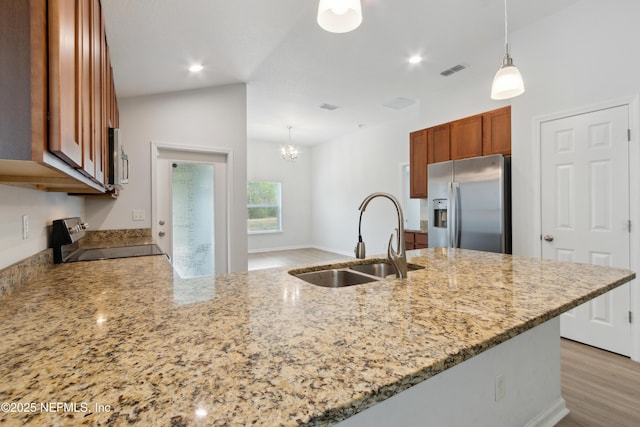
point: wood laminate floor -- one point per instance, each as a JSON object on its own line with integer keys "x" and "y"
{"x": 602, "y": 389}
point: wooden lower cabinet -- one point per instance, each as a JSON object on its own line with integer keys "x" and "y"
{"x": 415, "y": 240}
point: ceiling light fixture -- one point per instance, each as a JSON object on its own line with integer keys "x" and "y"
{"x": 339, "y": 16}
{"x": 507, "y": 83}
{"x": 415, "y": 59}
{"x": 195, "y": 68}
{"x": 289, "y": 152}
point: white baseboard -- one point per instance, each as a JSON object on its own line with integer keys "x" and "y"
{"x": 289, "y": 248}
{"x": 551, "y": 416}
{"x": 336, "y": 251}
{"x": 279, "y": 248}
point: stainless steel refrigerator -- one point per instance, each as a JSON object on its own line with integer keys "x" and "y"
{"x": 470, "y": 204}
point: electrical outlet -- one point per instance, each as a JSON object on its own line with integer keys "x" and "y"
{"x": 25, "y": 227}
{"x": 138, "y": 214}
{"x": 500, "y": 387}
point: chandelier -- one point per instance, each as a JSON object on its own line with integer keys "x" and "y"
{"x": 289, "y": 152}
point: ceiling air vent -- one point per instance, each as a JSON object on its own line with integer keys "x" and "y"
{"x": 452, "y": 70}
{"x": 329, "y": 107}
{"x": 399, "y": 103}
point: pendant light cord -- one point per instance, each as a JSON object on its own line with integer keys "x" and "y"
{"x": 506, "y": 42}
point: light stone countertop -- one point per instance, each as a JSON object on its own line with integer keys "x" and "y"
{"x": 128, "y": 342}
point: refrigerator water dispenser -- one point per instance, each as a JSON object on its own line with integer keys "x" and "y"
{"x": 440, "y": 213}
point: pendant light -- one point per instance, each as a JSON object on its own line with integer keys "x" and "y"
{"x": 507, "y": 82}
{"x": 289, "y": 152}
{"x": 339, "y": 16}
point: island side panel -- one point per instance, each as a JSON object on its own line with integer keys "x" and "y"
{"x": 466, "y": 393}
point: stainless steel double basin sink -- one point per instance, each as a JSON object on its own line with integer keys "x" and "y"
{"x": 356, "y": 274}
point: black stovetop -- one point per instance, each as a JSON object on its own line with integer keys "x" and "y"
{"x": 112, "y": 253}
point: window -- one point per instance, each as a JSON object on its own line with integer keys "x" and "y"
{"x": 265, "y": 210}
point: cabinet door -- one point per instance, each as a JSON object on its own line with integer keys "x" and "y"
{"x": 409, "y": 240}
{"x": 97, "y": 58}
{"x": 466, "y": 138}
{"x": 84, "y": 73}
{"x": 65, "y": 128}
{"x": 421, "y": 241}
{"x": 439, "y": 146}
{"x": 496, "y": 132}
{"x": 418, "y": 164}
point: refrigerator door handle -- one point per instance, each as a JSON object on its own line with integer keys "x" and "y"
{"x": 456, "y": 196}
{"x": 451, "y": 216}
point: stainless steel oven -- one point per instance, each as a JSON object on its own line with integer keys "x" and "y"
{"x": 66, "y": 236}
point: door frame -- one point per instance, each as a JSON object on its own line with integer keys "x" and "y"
{"x": 155, "y": 146}
{"x": 634, "y": 190}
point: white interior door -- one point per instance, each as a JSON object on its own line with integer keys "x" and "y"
{"x": 585, "y": 215}
{"x": 190, "y": 211}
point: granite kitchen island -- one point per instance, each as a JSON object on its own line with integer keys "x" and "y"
{"x": 127, "y": 341}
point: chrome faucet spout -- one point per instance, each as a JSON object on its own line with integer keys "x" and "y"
{"x": 398, "y": 256}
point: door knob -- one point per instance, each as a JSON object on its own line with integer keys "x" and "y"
{"x": 161, "y": 222}
{"x": 161, "y": 234}
{"x": 548, "y": 238}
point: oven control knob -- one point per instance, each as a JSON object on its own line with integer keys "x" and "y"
{"x": 84, "y": 225}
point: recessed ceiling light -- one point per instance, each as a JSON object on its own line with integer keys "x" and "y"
{"x": 196, "y": 68}
{"x": 415, "y": 59}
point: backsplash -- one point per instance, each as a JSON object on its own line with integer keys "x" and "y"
{"x": 117, "y": 235}
{"x": 23, "y": 271}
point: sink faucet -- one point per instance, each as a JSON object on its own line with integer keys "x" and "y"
{"x": 398, "y": 257}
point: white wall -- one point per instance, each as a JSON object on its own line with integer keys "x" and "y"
{"x": 42, "y": 208}
{"x": 585, "y": 54}
{"x": 265, "y": 164}
{"x": 588, "y": 55}
{"x": 214, "y": 117}
{"x": 344, "y": 172}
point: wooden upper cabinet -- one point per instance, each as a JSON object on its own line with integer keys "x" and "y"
{"x": 86, "y": 78}
{"x": 418, "y": 164}
{"x": 466, "y": 138}
{"x": 496, "y": 132}
{"x": 65, "y": 85}
{"x": 53, "y": 66}
{"x": 479, "y": 135}
{"x": 439, "y": 144}
{"x": 98, "y": 90}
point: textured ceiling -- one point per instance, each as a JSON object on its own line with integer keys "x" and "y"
{"x": 292, "y": 66}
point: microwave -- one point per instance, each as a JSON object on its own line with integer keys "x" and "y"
{"x": 118, "y": 161}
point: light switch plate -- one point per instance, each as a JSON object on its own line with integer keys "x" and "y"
{"x": 138, "y": 214}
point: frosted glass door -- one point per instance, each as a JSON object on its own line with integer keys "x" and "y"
{"x": 193, "y": 218}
